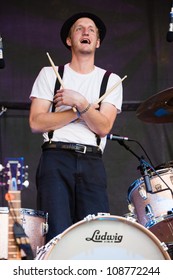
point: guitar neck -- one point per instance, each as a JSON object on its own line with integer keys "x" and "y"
{"x": 14, "y": 199}
{"x": 16, "y": 176}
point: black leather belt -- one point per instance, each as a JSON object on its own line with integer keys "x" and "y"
{"x": 78, "y": 148}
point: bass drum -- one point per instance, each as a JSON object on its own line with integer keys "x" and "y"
{"x": 104, "y": 237}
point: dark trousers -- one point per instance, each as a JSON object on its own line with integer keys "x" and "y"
{"x": 70, "y": 186}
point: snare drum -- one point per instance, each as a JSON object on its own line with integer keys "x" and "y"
{"x": 150, "y": 207}
{"x": 104, "y": 237}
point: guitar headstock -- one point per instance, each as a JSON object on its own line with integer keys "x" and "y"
{"x": 16, "y": 173}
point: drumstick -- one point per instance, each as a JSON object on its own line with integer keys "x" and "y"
{"x": 58, "y": 76}
{"x": 55, "y": 70}
{"x": 110, "y": 90}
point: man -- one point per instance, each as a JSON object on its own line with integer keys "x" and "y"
{"x": 71, "y": 179}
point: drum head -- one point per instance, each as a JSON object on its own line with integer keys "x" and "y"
{"x": 110, "y": 237}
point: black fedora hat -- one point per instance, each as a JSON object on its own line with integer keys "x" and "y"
{"x": 70, "y": 21}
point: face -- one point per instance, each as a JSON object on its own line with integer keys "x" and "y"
{"x": 84, "y": 36}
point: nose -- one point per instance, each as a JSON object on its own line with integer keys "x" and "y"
{"x": 85, "y": 31}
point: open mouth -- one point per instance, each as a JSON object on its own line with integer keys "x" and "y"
{"x": 85, "y": 41}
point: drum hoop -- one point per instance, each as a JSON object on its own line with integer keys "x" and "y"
{"x": 34, "y": 213}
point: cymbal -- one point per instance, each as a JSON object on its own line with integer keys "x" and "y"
{"x": 158, "y": 108}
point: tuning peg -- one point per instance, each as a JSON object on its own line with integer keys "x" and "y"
{"x": 26, "y": 184}
{"x": 1, "y": 167}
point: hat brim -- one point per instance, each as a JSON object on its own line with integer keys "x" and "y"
{"x": 70, "y": 21}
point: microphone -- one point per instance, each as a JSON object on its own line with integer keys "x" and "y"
{"x": 115, "y": 137}
{"x": 2, "y": 63}
{"x": 169, "y": 36}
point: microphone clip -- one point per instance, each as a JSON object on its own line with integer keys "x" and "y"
{"x": 146, "y": 176}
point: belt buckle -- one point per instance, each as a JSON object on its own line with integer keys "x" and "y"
{"x": 81, "y": 151}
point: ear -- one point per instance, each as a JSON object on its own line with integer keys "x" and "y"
{"x": 98, "y": 43}
{"x": 68, "y": 41}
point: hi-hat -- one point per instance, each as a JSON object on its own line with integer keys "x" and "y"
{"x": 158, "y": 108}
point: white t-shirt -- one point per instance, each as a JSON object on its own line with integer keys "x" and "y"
{"x": 89, "y": 86}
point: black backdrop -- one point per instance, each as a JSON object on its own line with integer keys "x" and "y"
{"x": 135, "y": 46}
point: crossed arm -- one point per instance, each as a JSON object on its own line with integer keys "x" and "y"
{"x": 99, "y": 121}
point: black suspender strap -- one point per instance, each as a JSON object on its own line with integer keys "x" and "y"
{"x": 104, "y": 83}
{"x": 57, "y": 86}
{"x": 102, "y": 91}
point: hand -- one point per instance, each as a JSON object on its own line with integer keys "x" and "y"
{"x": 68, "y": 97}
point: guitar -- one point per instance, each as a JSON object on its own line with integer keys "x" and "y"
{"x": 17, "y": 179}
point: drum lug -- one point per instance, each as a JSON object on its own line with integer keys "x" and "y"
{"x": 89, "y": 217}
{"x": 23, "y": 220}
{"x": 149, "y": 211}
{"x": 45, "y": 228}
{"x": 164, "y": 246}
{"x": 142, "y": 193}
{"x": 150, "y": 215}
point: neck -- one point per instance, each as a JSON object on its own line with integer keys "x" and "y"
{"x": 83, "y": 64}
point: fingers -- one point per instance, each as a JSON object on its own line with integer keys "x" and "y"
{"x": 58, "y": 99}
{"x": 95, "y": 105}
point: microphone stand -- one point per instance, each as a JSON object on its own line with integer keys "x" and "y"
{"x": 143, "y": 166}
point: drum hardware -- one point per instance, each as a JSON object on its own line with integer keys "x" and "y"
{"x": 2, "y": 110}
{"x": 170, "y": 212}
{"x": 132, "y": 210}
{"x": 149, "y": 211}
{"x": 130, "y": 217}
{"x": 150, "y": 215}
{"x": 89, "y": 217}
{"x": 93, "y": 216}
{"x": 142, "y": 192}
{"x": 45, "y": 228}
